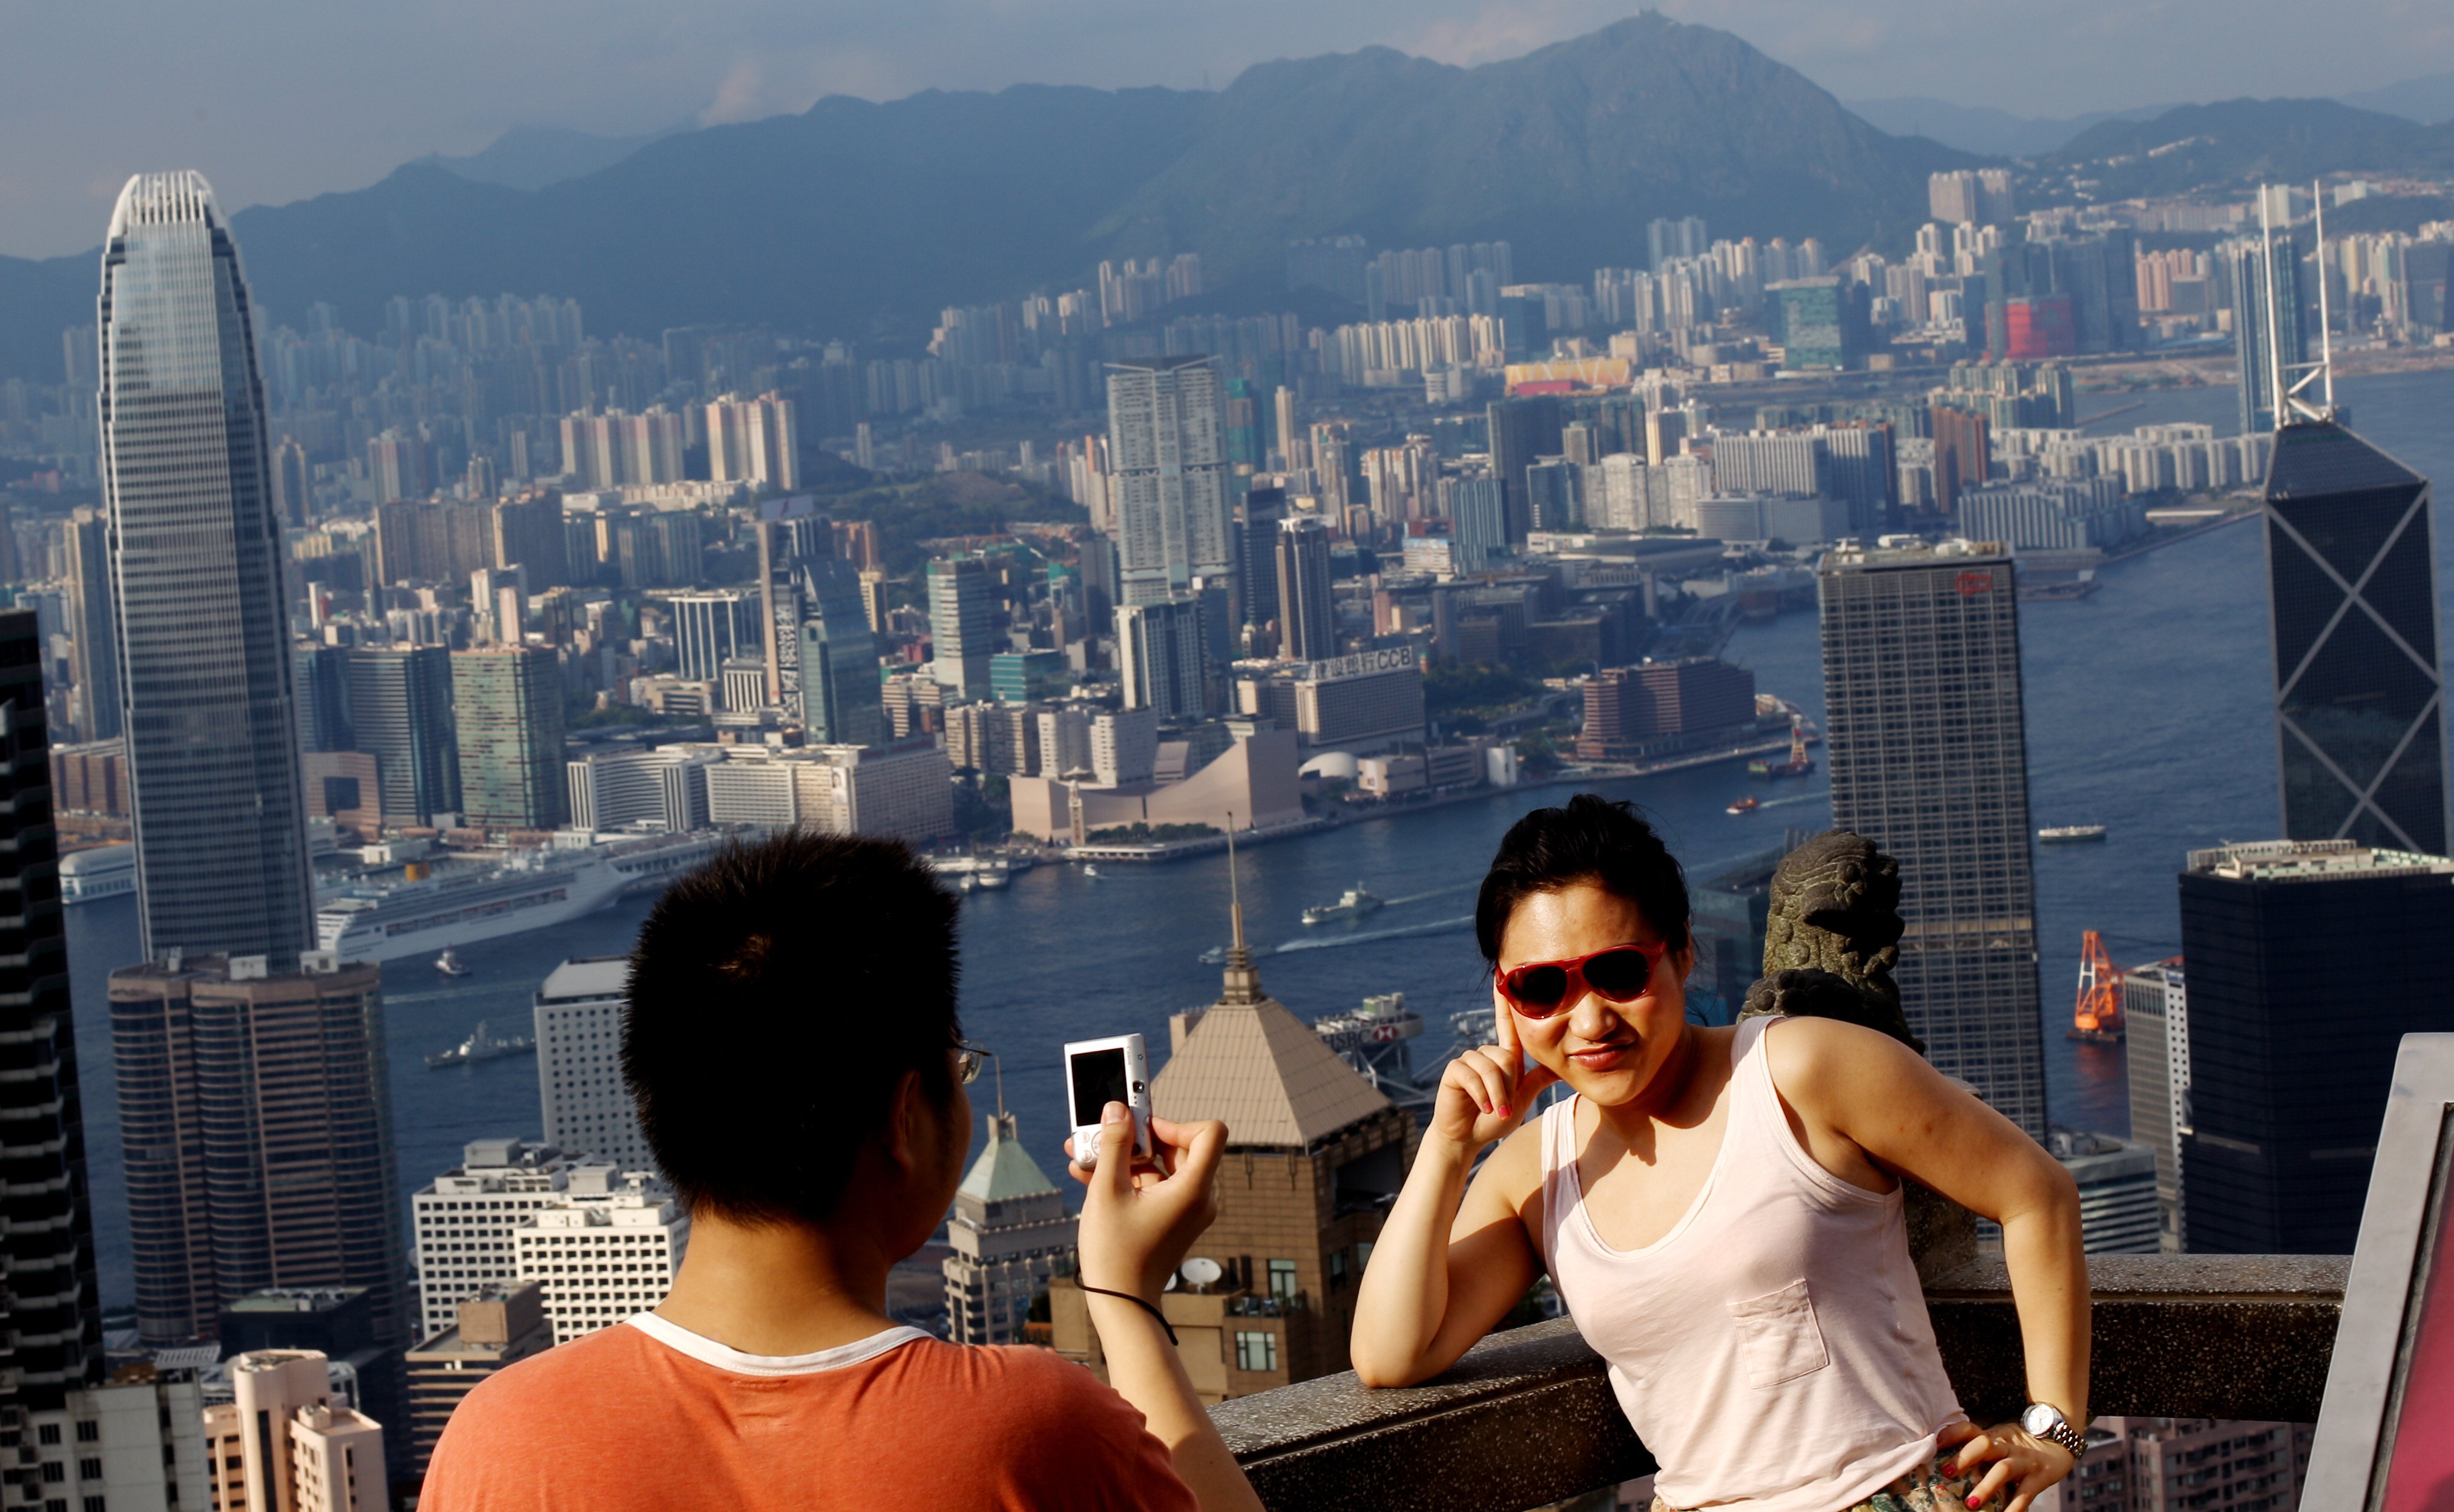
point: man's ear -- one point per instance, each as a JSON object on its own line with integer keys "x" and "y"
{"x": 906, "y": 1118}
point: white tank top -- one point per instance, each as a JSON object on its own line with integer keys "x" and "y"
{"x": 1772, "y": 1349}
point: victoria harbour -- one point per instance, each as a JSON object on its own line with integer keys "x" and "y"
{"x": 2147, "y": 710}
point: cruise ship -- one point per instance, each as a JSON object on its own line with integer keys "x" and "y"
{"x": 422, "y": 911}
{"x": 106, "y": 871}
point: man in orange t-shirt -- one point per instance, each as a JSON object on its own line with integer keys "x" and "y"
{"x": 792, "y": 1042}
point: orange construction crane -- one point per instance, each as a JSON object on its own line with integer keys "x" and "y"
{"x": 2097, "y": 1016}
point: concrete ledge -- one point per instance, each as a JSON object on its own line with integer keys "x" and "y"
{"x": 1527, "y": 1416}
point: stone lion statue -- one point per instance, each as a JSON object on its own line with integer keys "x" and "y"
{"x": 1833, "y": 937}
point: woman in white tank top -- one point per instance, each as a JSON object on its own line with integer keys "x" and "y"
{"x": 1719, "y": 1208}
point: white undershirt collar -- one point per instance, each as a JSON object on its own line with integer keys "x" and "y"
{"x": 724, "y": 1357}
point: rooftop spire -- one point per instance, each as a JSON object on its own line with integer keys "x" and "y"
{"x": 1243, "y": 985}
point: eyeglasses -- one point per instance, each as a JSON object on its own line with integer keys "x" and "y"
{"x": 1620, "y": 973}
{"x": 969, "y": 1058}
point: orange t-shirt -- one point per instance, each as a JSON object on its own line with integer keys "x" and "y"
{"x": 646, "y": 1415}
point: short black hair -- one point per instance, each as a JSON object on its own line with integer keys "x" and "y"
{"x": 777, "y": 996}
{"x": 1590, "y": 840}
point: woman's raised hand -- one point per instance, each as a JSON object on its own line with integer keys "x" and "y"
{"x": 1485, "y": 1093}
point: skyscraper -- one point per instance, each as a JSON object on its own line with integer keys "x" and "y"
{"x": 960, "y": 636}
{"x": 1168, "y": 475}
{"x": 839, "y": 658}
{"x": 212, "y": 742}
{"x": 578, "y": 1020}
{"x": 94, "y": 708}
{"x": 400, "y": 708}
{"x": 1163, "y": 657}
{"x": 1257, "y": 576}
{"x": 1307, "y": 613}
{"x": 1009, "y": 1234}
{"x": 2309, "y": 962}
{"x": 2263, "y": 320}
{"x": 1524, "y": 431}
{"x": 710, "y": 629}
{"x": 1929, "y": 751}
{"x": 51, "y": 1314}
{"x": 256, "y": 1111}
{"x": 2359, "y": 698}
{"x": 507, "y": 713}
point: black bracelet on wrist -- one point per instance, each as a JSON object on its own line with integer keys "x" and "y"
{"x": 1137, "y": 1301}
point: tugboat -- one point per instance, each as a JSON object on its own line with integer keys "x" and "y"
{"x": 1746, "y": 805}
{"x": 482, "y": 1044}
{"x": 448, "y": 963}
{"x": 1354, "y": 903}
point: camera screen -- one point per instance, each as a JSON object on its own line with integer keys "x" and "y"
{"x": 1098, "y": 1079}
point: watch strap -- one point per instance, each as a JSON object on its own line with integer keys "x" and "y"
{"x": 2073, "y": 1441}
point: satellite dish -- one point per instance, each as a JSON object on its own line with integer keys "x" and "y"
{"x": 1201, "y": 1271}
{"x": 1171, "y": 1282}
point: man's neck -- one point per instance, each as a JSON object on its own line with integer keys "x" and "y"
{"x": 777, "y": 1289}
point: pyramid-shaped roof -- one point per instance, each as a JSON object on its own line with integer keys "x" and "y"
{"x": 1265, "y": 1073}
{"x": 1005, "y": 1170}
{"x": 2324, "y": 457}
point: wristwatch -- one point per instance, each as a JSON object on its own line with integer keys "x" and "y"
{"x": 2046, "y": 1422}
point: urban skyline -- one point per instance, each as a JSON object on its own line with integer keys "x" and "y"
{"x": 373, "y": 648}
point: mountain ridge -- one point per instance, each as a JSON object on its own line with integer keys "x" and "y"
{"x": 859, "y": 219}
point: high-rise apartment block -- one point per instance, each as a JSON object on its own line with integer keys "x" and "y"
{"x": 50, "y": 1313}
{"x": 1663, "y": 705}
{"x": 607, "y": 1246}
{"x": 754, "y": 442}
{"x": 281, "y": 1445}
{"x": 2155, "y": 1020}
{"x": 963, "y": 604}
{"x": 136, "y": 1446}
{"x": 1970, "y": 196}
{"x": 2309, "y": 962}
{"x": 491, "y": 1328}
{"x": 1928, "y": 750}
{"x": 1163, "y": 656}
{"x": 462, "y": 1221}
{"x": 2351, "y": 561}
{"x": 1010, "y": 1233}
{"x": 256, "y": 1111}
{"x": 1666, "y": 239}
{"x": 1307, "y": 609}
{"x": 337, "y": 1323}
{"x": 204, "y": 655}
{"x": 1168, "y": 475}
{"x": 587, "y": 1106}
{"x": 508, "y": 700}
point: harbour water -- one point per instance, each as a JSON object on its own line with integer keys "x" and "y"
{"x": 2149, "y": 711}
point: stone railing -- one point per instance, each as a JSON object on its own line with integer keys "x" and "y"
{"x": 1527, "y": 1416}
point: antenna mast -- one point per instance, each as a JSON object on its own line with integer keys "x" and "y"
{"x": 2274, "y": 329}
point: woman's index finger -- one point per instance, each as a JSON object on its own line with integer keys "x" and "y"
{"x": 1503, "y": 1023}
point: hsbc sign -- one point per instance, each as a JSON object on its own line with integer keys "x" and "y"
{"x": 1363, "y": 663}
{"x": 1974, "y": 583}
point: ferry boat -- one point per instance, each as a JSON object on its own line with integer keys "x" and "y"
{"x": 482, "y": 1044}
{"x": 1746, "y": 805}
{"x": 106, "y": 871}
{"x": 448, "y": 963}
{"x": 1354, "y": 903}
{"x": 992, "y": 874}
{"x": 2070, "y": 834}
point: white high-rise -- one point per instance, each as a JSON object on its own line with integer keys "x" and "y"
{"x": 195, "y": 544}
{"x": 464, "y": 1218}
{"x": 580, "y": 1064}
{"x": 609, "y": 1245}
{"x": 1168, "y": 476}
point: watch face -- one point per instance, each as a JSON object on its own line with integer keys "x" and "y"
{"x": 2039, "y": 1419}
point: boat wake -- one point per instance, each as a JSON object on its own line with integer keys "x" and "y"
{"x": 1437, "y": 891}
{"x": 1410, "y": 932}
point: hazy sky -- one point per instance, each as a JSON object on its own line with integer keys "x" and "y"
{"x": 279, "y": 99}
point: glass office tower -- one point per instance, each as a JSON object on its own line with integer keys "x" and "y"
{"x": 2359, "y": 698}
{"x": 204, "y": 660}
{"x": 1929, "y": 751}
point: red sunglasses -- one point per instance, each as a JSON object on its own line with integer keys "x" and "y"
{"x": 1620, "y": 973}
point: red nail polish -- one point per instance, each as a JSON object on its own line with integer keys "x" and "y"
{"x": 1504, "y": 1110}
{"x": 1973, "y": 1504}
